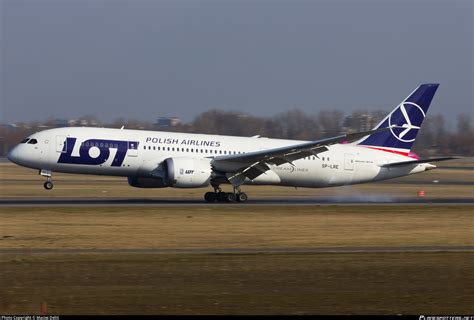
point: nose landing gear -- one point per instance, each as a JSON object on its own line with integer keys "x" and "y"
{"x": 219, "y": 196}
{"x": 48, "y": 185}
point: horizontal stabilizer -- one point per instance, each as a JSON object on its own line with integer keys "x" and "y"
{"x": 404, "y": 163}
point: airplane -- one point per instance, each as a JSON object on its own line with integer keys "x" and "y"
{"x": 153, "y": 159}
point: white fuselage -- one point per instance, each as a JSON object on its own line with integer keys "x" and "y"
{"x": 137, "y": 153}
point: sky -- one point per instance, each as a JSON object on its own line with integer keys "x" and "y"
{"x": 142, "y": 59}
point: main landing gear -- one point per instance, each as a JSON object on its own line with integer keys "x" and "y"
{"x": 48, "y": 185}
{"x": 219, "y": 196}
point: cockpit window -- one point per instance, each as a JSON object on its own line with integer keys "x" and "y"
{"x": 25, "y": 140}
{"x": 33, "y": 141}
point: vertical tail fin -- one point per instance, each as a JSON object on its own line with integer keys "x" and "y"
{"x": 405, "y": 120}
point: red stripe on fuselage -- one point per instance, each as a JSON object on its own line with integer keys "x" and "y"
{"x": 406, "y": 154}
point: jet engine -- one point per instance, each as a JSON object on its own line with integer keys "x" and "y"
{"x": 184, "y": 172}
{"x": 142, "y": 182}
{"x": 179, "y": 172}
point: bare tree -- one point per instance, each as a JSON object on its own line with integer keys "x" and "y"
{"x": 330, "y": 122}
{"x": 434, "y": 138}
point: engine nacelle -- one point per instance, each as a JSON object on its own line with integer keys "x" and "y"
{"x": 184, "y": 172}
{"x": 141, "y": 182}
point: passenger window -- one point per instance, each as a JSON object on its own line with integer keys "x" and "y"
{"x": 33, "y": 141}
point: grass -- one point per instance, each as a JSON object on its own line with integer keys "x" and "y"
{"x": 396, "y": 283}
{"x": 236, "y": 227}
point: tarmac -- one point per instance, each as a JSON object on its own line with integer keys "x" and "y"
{"x": 298, "y": 250}
{"x": 134, "y": 202}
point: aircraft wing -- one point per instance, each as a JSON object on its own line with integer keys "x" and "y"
{"x": 404, "y": 163}
{"x": 251, "y": 165}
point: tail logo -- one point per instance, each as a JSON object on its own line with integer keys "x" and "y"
{"x": 405, "y": 121}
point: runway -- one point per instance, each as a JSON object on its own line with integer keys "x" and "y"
{"x": 276, "y": 250}
{"x": 136, "y": 202}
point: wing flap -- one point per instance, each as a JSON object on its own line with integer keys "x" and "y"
{"x": 252, "y": 172}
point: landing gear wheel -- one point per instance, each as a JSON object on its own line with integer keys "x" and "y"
{"x": 242, "y": 197}
{"x": 230, "y": 197}
{"x": 48, "y": 185}
{"x": 210, "y": 196}
{"x": 221, "y": 197}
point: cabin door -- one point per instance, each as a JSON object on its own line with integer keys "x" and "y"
{"x": 61, "y": 144}
{"x": 349, "y": 161}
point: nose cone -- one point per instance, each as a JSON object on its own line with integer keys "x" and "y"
{"x": 13, "y": 155}
{"x": 26, "y": 155}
